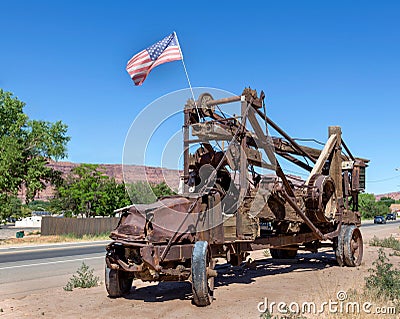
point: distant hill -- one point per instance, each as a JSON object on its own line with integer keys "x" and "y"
{"x": 133, "y": 173}
{"x": 394, "y": 195}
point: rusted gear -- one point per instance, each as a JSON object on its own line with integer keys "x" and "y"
{"x": 321, "y": 197}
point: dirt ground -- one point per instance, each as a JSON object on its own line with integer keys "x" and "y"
{"x": 239, "y": 290}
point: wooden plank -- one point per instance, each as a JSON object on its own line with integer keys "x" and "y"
{"x": 335, "y": 170}
{"x": 230, "y": 228}
{"x": 326, "y": 151}
{"x": 243, "y": 167}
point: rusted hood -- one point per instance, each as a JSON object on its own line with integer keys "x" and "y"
{"x": 158, "y": 222}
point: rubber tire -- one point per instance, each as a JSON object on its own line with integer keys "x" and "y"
{"x": 202, "y": 294}
{"x": 277, "y": 253}
{"x": 349, "y": 258}
{"x": 339, "y": 251}
{"x": 117, "y": 282}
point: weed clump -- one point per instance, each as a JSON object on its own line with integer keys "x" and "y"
{"x": 384, "y": 280}
{"x": 389, "y": 242}
{"x": 83, "y": 279}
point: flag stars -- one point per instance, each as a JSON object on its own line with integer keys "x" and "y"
{"x": 152, "y": 56}
{"x": 157, "y": 49}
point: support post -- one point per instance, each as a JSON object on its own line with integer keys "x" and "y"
{"x": 335, "y": 170}
{"x": 186, "y": 124}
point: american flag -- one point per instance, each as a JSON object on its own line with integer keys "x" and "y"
{"x": 166, "y": 50}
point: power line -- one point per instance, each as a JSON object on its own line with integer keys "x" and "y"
{"x": 384, "y": 180}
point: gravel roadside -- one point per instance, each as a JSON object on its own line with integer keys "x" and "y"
{"x": 9, "y": 231}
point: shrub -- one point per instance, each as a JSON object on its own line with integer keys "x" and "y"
{"x": 383, "y": 279}
{"x": 389, "y": 242}
{"x": 83, "y": 279}
{"x": 288, "y": 315}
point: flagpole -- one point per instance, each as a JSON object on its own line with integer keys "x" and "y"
{"x": 187, "y": 76}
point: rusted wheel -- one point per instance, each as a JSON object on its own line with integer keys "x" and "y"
{"x": 202, "y": 103}
{"x": 338, "y": 246}
{"x": 283, "y": 253}
{"x": 352, "y": 246}
{"x": 118, "y": 283}
{"x": 202, "y": 286}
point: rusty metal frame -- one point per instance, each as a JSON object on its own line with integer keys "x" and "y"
{"x": 155, "y": 256}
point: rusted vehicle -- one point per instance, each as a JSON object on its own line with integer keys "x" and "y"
{"x": 236, "y": 198}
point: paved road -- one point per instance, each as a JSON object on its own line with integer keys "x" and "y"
{"x": 35, "y": 268}
{"x": 369, "y": 223}
{"x": 33, "y": 253}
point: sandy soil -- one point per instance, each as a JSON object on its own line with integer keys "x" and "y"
{"x": 311, "y": 277}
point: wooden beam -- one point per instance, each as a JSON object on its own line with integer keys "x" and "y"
{"x": 326, "y": 151}
{"x": 260, "y": 141}
{"x": 335, "y": 169}
{"x": 284, "y": 146}
{"x": 260, "y": 135}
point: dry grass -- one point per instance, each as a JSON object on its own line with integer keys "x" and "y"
{"x": 377, "y": 298}
{"x": 389, "y": 242}
{"x": 38, "y": 239}
{"x": 378, "y": 307}
{"x": 378, "y": 304}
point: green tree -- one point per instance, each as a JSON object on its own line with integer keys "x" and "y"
{"x": 162, "y": 189}
{"x": 144, "y": 193}
{"x": 369, "y": 207}
{"x": 141, "y": 193}
{"x": 387, "y": 201}
{"x": 26, "y": 147}
{"x": 11, "y": 206}
{"x": 114, "y": 196}
{"x": 38, "y": 205}
{"x": 87, "y": 190}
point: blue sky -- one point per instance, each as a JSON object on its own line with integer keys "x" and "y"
{"x": 320, "y": 63}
